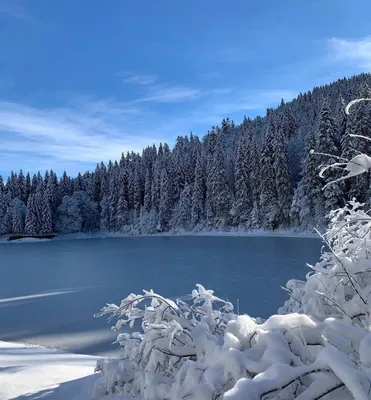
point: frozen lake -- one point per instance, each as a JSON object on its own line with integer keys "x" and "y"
{"x": 49, "y": 291}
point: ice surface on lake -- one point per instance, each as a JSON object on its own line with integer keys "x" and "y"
{"x": 49, "y": 291}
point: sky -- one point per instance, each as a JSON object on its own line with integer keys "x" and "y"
{"x": 83, "y": 81}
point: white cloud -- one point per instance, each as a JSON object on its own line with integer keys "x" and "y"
{"x": 101, "y": 130}
{"x": 356, "y": 51}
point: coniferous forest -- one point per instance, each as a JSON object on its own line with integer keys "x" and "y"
{"x": 259, "y": 174}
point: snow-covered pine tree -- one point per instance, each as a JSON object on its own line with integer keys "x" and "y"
{"x": 268, "y": 193}
{"x": 51, "y": 192}
{"x": 104, "y": 203}
{"x": 113, "y": 197}
{"x": 137, "y": 187}
{"x": 31, "y": 222}
{"x": 122, "y": 216}
{"x": 178, "y": 170}
{"x": 44, "y": 213}
{"x": 21, "y": 187}
{"x": 28, "y": 185}
{"x": 183, "y": 212}
{"x": 78, "y": 183}
{"x": 147, "y": 192}
{"x": 96, "y": 184}
{"x": 11, "y": 185}
{"x": 283, "y": 180}
{"x": 156, "y": 185}
{"x": 328, "y": 142}
{"x": 65, "y": 185}
{"x": 18, "y": 213}
{"x": 198, "y": 193}
{"x": 288, "y": 125}
{"x": 165, "y": 208}
{"x": 218, "y": 191}
{"x": 308, "y": 192}
{"x": 243, "y": 203}
{"x": 34, "y": 183}
{"x": 7, "y": 220}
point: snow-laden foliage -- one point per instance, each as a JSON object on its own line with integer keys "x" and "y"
{"x": 201, "y": 350}
{"x": 318, "y": 346}
{"x": 340, "y": 284}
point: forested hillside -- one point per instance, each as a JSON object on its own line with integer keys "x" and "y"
{"x": 258, "y": 174}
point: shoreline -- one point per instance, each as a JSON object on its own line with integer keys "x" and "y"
{"x": 212, "y": 233}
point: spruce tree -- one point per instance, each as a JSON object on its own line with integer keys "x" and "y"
{"x": 31, "y": 225}
{"x": 218, "y": 191}
{"x": 44, "y": 213}
{"x": 198, "y": 195}
{"x": 268, "y": 194}
{"x": 122, "y": 216}
{"x": 18, "y": 212}
{"x": 21, "y": 187}
{"x": 165, "y": 207}
{"x": 147, "y": 192}
{"x": 283, "y": 181}
{"x": 183, "y": 217}
{"x": 243, "y": 192}
{"x": 328, "y": 143}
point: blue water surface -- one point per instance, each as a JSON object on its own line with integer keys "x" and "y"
{"x": 49, "y": 291}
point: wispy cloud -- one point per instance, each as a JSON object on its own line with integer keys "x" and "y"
{"x": 357, "y": 51}
{"x": 137, "y": 79}
{"x": 157, "y": 91}
{"x": 168, "y": 93}
{"x": 85, "y": 135}
{"x": 14, "y": 8}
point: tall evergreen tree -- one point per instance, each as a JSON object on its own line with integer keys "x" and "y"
{"x": 165, "y": 208}
{"x": 147, "y": 192}
{"x": 198, "y": 195}
{"x": 243, "y": 193}
{"x": 218, "y": 191}
{"x": 268, "y": 193}
{"x": 283, "y": 180}
{"x": 183, "y": 216}
{"x": 31, "y": 223}
{"x": 328, "y": 143}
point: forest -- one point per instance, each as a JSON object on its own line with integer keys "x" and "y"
{"x": 259, "y": 174}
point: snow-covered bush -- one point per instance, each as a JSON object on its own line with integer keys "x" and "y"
{"x": 317, "y": 347}
{"x": 340, "y": 284}
{"x": 76, "y": 213}
{"x": 197, "y": 350}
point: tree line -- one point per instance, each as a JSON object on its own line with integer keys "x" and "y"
{"x": 259, "y": 174}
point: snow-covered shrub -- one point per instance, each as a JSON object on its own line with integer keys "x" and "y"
{"x": 317, "y": 347}
{"x": 340, "y": 284}
{"x": 76, "y": 213}
{"x": 194, "y": 350}
{"x": 173, "y": 333}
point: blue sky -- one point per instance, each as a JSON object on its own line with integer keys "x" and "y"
{"x": 82, "y": 81}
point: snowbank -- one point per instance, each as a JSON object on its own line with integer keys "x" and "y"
{"x": 31, "y": 372}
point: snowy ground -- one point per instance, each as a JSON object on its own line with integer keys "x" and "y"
{"x": 30, "y": 372}
{"x": 103, "y": 234}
